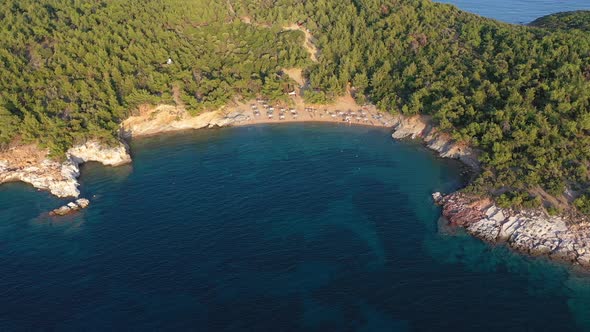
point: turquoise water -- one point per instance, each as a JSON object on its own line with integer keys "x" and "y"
{"x": 269, "y": 228}
{"x": 518, "y": 11}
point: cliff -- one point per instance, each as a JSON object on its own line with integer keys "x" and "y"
{"x": 420, "y": 127}
{"x": 165, "y": 118}
{"x": 32, "y": 165}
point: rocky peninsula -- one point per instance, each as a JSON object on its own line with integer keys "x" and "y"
{"x": 531, "y": 232}
{"x": 32, "y": 165}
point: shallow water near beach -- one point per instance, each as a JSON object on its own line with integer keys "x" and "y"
{"x": 312, "y": 227}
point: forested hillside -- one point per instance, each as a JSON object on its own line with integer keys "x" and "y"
{"x": 519, "y": 94}
{"x": 73, "y": 69}
{"x": 568, "y": 20}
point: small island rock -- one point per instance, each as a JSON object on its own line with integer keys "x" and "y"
{"x": 83, "y": 203}
{"x": 71, "y": 207}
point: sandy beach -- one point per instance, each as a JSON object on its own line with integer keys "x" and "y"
{"x": 344, "y": 111}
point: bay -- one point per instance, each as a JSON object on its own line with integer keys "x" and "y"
{"x": 295, "y": 227}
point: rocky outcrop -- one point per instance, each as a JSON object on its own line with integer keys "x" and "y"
{"x": 59, "y": 179}
{"x": 420, "y": 127}
{"x": 94, "y": 151}
{"x": 531, "y": 232}
{"x": 71, "y": 207}
{"x": 32, "y": 165}
{"x": 165, "y": 118}
{"x": 528, "y": 231}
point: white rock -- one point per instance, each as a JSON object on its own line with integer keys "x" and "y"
{"x": 499, "y": 216}
{"x": 437, "y": 197}
{"x": 409, "y": 127}
{"x": 62, "y": 211}
{"x": 492, "y": 210}
{"x": 94, "y": 151}
{"x": 61, "y": 178}
{"x": 485, "y": 229}
{"x": 584, "y": 260}
{"x": 508, "y": 228}
{"x": 526, "y": 231}
{"x": 71, "y": 207}
{"x": 82, "y": 203}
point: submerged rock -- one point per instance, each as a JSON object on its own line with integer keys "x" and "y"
{"x": 71, "y": 207}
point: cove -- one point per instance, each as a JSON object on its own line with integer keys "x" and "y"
{"x": 296, "y": 227}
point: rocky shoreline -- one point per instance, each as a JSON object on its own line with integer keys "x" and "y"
{"x": 166, "y": 118}
{"x": 31, "y": 165}
{"x": 530, "y": 232}
{"x": 420, "y": 127}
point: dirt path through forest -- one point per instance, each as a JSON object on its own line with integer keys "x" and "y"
{"x": 308, "y": 44}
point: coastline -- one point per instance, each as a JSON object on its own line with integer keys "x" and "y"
{"x": 33, "y": 165}
{"x": 528, "y": 232}
{"x": 531, "y": 232}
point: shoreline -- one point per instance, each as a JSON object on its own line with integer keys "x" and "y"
{"x": 255, "y": 123}
{"x": 529, "y": 232}
{"x": 32, "y": 165}
{"x": 346, "y": 114}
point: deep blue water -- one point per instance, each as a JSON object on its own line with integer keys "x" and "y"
{"x": 518, "y": 11}
{"x": 269, "y": 228}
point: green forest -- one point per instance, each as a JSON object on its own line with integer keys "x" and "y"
{"x": 73, "y": 69}
{"x": 566, "y": 21}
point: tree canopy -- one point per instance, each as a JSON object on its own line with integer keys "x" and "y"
{"x": 73, "y": 69}
{"x": 519, "y": 94}
{"x": 579, "y": 19}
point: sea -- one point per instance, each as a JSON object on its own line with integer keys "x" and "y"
{"x": 518, "y": 11}
{"x": 298, "y": 227}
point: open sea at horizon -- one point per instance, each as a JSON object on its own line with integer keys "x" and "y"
{"x": 299, "y": 227}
